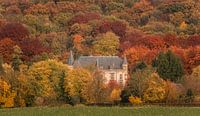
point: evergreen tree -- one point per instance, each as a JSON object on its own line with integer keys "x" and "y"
{"x": 16, "y": 58}
{"x": 169, "y": 66}
{"x": 140, "y": 66}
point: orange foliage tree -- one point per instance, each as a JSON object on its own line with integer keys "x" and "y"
{"x": 135, "y": 54}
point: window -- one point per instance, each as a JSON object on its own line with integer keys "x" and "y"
{"x": 125, "y": 75}
{"x": 121, "y": 79}
{"x": 121, "y": 76}
{"x": 112, "y": 76}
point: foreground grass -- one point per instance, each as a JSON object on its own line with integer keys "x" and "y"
{"x": 102, "y": 111}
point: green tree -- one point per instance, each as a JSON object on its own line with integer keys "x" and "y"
{"x": 136, "y": 84}
{"x": 106, "y": 44}
{"x": 16, "y": 58}
{"x": 169, "y": 66}
{"x": 140, "y": 66}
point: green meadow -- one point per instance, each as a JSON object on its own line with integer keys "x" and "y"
{"x": 102, "y": 111}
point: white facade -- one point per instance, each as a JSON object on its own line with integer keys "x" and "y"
{"x": 118, "y": 75}
{"x": 113, "y": 68}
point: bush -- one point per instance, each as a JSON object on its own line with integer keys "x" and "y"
{"x": 135, "y": 100}
{"x": 189, "y": 97}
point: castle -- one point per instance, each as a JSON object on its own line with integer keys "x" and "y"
{"x": 113, "y": 68}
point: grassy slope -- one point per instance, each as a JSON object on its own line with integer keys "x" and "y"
{"x": 102, "y": 111}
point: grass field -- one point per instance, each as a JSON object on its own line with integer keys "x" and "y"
{"x": 103, "y": 111}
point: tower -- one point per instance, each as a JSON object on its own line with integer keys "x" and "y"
{"x": 125, "y": 63}
{"x": 71, "y": 59}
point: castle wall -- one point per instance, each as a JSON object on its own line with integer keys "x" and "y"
{"x": 118, "y": 75}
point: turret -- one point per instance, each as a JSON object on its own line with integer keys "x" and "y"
{"x": 125, "y": 63}
{"x": 71, "y": 59}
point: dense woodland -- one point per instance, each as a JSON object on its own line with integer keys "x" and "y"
{"x": 160, "y": 38}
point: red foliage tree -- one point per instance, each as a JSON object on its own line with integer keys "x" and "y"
{"x": 132, "y": 38}
{"x": 14, "y": 9}
{"x": 150, "y": 56}
{"x": 6, "y": 49}
{"x": 192, "y": 41}
{"x": 84, "y": 18}
{"x": 171, "y": 40}
{"x": 15, "y": 31}
{"x": 32, "y": 48}
{"x": 153, "y": 42}
{"x": 105, "y": 27}
{"x": 193, "y": 58}
{"x": 117, "y": 27}
{"x": 137, "y": 38}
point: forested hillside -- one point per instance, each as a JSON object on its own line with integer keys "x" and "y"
{"x": 138, "y": 28}
{"x": 163, "y": 34}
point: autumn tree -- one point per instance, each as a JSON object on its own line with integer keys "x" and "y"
{"x": 114, "y": 6}
{"x": 142, "y": 6}
{"x": 16, "y": 58}
{"x": 51, "y": 42}
{"x": 98, "y": 92}
{"x": 135, "y": 54}
{"x": 29, "y": 51}
{"x": 1, "y": 64}
{"x": 84, "y": 18}
{"x": 16, "y": 31}
{"x": 115, "y": 95}
{"x": 137, "y": 84}
{"x": 169, "y": 66}
{"x": 173, "y": 92}
{"x": 6, "y": 49}
{"x": 77, "y": 41}
{"x": 106, "y": 44}
{"x": 192, "y": 81}
{"x": 155, "y": 91}
{"x": 76, "y": 84}
{"x": 6, "y": 95}
{"x": 117, "y": 26}
{"x": 38, "y": 9}
{"x": 46, "y": 77}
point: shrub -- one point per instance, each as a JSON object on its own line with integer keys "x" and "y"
{"x": 135, "y": 100}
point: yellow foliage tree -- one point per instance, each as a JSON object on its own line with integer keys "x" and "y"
{"x": 6, "y": 95}
{"x": 196, "y": 72}
{"x": 97, "y": 90}
{"x": 183, "y": 25}
{"x": 155, "y": 91}
{"x": 115, "y": 94}
{"x": 77, "y": 83}
{"x": 106, "y": 44}
{"x": 46, "y": 78}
